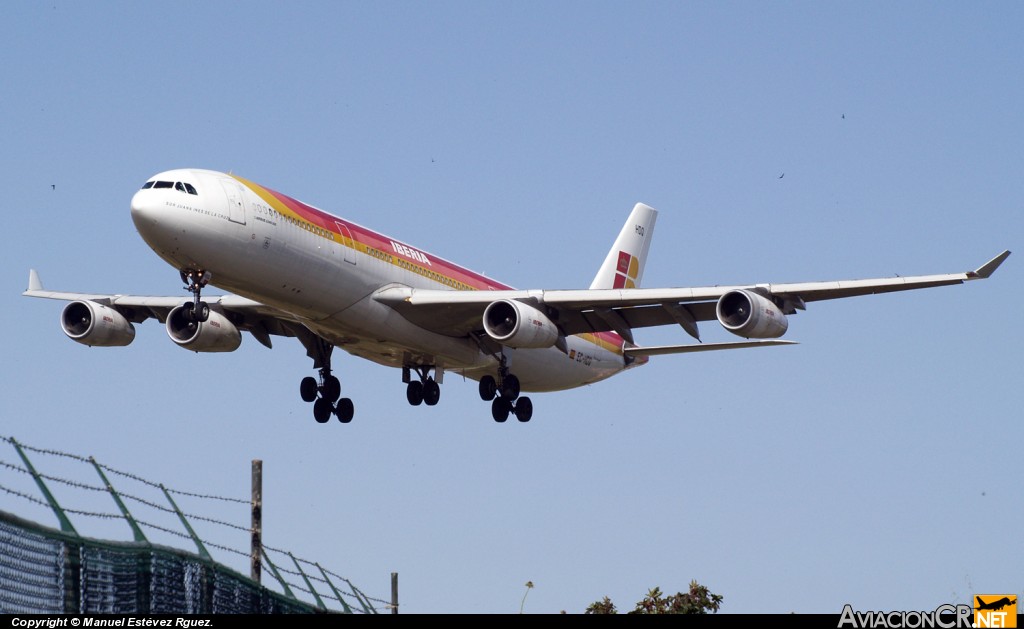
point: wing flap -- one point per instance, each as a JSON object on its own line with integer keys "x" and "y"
{"x": 661, "y": 350}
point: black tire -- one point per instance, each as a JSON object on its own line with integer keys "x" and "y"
{"x": 488, "y": 388}
{"x": 204, "y": 311}
{"x": 431, "y": 392}
{"x": 510, "y": 387}
{"x": 307, "y": 389}
{"x": 500, "y": 408}
{"x": 332, "y": 388}
{"x": 322, "y": 410}
{"x": 345, "y": 410}
{"x": 188, "y": 312}
{"x": 414, "y": 393}
{"x": 524, "y": 409}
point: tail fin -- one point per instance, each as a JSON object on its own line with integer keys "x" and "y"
{"x": 624, "y": 265}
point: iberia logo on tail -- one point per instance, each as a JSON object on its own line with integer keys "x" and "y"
{"x": 626, "y": 270}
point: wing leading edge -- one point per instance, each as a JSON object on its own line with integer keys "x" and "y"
{"x": 260, "y": 320}
{"x": 457, "y": 313}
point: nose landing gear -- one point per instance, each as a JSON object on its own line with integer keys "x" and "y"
{"x": 195, "y": 280}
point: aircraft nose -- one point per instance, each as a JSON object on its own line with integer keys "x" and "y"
{"x": 143, "y": 207}
{"x": 150, "y": 215}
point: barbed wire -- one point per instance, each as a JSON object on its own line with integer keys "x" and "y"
{"x": 45, "y": 451}
{"x": 122, "y": 494}
{"x": 56, "y": 479}
{"x": 112, "y": 470}
{"x": 28, "y": 497}
{"x": 352, "y": 593}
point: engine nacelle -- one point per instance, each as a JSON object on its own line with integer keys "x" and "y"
{"x": 750, "y": 315}
{"x": 96, "y": 325}
{"x": 516, "y": 324}
{"x": 216, "y": 334}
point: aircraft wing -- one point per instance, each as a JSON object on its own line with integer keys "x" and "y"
{"x": 259, "y": 319}
{"x": 457, "y": 313}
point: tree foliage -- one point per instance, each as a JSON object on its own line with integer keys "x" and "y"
{"x": 699, "y": 600}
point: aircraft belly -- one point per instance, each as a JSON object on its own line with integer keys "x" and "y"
{"x": 372, "y": 330}
{"x": 550, "y": 369}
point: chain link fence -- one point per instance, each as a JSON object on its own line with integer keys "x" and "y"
{"x": 48, "y": 570}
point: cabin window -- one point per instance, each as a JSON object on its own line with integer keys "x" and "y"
{"x": 147, "y": 185}
{"x": 191, "y": 189}
{"x": 164, "y": 184}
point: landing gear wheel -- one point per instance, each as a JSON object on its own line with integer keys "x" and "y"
{"x": 322, "y": 410}
{"x": 414, "y": 393}
{"x": 204, "y": 311}
{"x": 488, "y": 388}
{"x": 308, "y": 389}
{"x": 332, "y": 388}
{"x": 510, "y": 387}
{"x": 500, "y": 408}
{"x": 431, "y": 392}
{"x": 524, "y": 409}
{"x": 345, "y": 410}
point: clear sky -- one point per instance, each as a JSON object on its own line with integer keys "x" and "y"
{"x": 877, "y": 463}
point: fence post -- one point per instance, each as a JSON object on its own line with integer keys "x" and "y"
{"x": 65, "y": 523}
{"x": 257, "y": 519}
{"x": 188, "y": 527}
{"x": 136, "y": 531}
{"x": 394, "y": 592}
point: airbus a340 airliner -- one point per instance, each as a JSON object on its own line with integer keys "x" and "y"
{"x": 297, "y": 271}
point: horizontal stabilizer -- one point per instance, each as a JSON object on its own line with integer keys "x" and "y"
{"x": 704, "y": 347}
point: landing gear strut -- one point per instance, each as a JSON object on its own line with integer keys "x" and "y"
{"x": 324, "y": 393}
{"x": 426, "y": 390}
{"x": 505, "y": 398}
{"x": 195, "y": 280}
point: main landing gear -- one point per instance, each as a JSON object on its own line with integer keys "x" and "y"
{"x": 325, "y": 393}
{"x": 195, "y": 280}
{"x": 426, "y": 390}
{"x": 505, "y": 398}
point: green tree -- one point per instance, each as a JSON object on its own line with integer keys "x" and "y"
{"x": 699, "y": 600}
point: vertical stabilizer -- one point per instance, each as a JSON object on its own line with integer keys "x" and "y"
{"x": 624, "y": 265}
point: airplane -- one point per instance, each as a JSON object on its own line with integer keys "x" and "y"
{"x": 294, "y": 270}
{"x": 994, "y": 605}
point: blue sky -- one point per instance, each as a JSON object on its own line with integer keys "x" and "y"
{"x": 875, "y": 464}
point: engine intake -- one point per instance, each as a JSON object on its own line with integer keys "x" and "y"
{"x": 516, "y": 324}
{"x": 96, "y": 325}
{"x": 216, "y": 334}
{"x": 750, "y": 315}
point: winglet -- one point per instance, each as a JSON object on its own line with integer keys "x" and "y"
{"x": 989, "y": 267}
{"x": 33, "y": 281}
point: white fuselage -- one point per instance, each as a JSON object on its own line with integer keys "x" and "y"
{"x": 324, "y": 271}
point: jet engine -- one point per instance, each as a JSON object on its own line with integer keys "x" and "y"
{"x": 96, "y": 325}
{"x": 216, "y": 334}
{"x": 516, "y": 324}
{"x": 750, "y": 315}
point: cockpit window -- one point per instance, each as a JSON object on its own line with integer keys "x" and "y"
{"x": 177, "y": 185}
